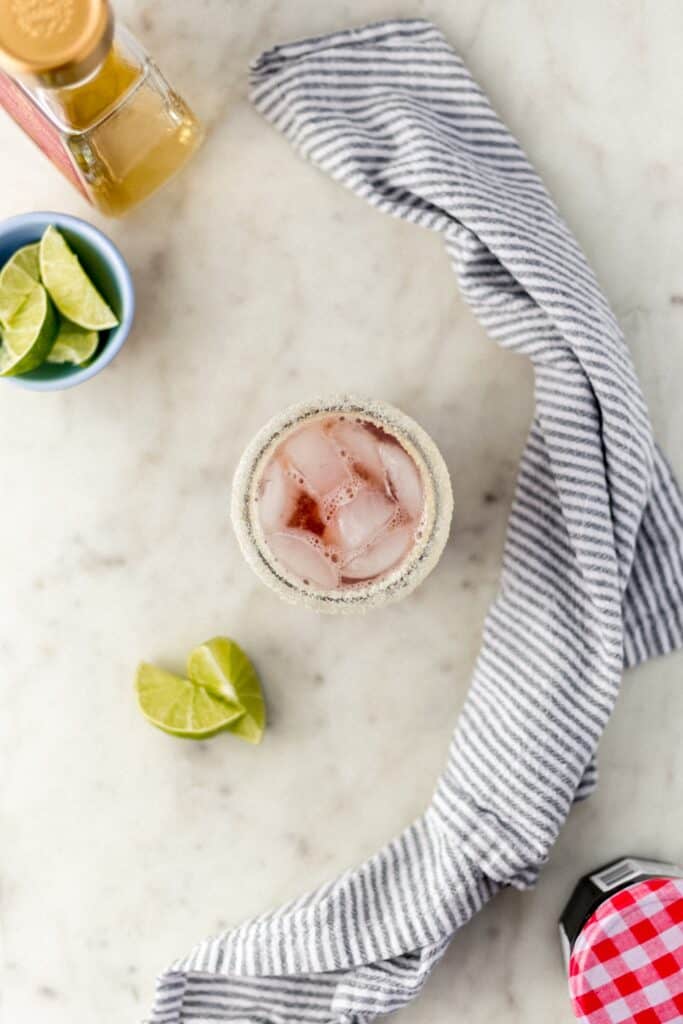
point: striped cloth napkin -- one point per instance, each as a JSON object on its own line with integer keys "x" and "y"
{"x": 593, "y": 568}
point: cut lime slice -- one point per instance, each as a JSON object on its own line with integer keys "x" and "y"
{"x": 221, "y": 666}
{"x": 72, "y": 291}
{"x": 181, "y": 708}
{"x": 27, "y": 259}
{"x": 74, "y": 344}
{"x": 29, "y": 334}
{"x": 15, "y": 287}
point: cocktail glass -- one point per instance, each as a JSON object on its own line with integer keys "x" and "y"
{"x": 342, "y": 504}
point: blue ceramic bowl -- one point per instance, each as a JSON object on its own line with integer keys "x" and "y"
{"x": 106, "y": 268}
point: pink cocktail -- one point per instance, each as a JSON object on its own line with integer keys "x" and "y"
{"x": 342, "y": 503}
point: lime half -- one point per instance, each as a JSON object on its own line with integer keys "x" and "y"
{"x": 15, "y": 287}
{"x": 72, "y": 291}
{"x": 180, "y": 707}
{"x": 29, "y": 334}
{"x": 221, "y": 666}
{"x": 74, "y": 344}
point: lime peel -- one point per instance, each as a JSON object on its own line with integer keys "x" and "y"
{"x": 27, "y": 259}
{"x": 180, "y": 707}
{"x": 72, "y": 291}
{"x": 222, "y": 692}
{"x": 15, "y": 287}
{"x": 29, "y": 334}
{"x": 224, "y": 669}
{"x": 73, "y": 344}
{"x": 31, "y": 329}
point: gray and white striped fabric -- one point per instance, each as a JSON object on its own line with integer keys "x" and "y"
{"x": 593, "y": 566}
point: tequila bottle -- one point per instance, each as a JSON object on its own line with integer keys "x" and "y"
{"x": 90, "y": 97}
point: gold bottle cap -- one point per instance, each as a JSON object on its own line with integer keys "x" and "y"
{"x": 58, "y": 41}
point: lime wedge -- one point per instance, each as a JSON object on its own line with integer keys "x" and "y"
{"x": 70, "y": 288}
{"x": 180, "y": 707}
{"x": 221, "y": 666}
{"x": 29, "y": 334}
{"x": 27, "y": 259}
{"x": 15, "y": 286}
{"x": 74, "y": 344}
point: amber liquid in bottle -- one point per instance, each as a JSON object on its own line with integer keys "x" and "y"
{"x": 126, "y": 130}
{"x": 111, "y": 124}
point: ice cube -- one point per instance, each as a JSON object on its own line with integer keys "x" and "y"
{"x": 340, "y": 496}
{"x": 361, "y": 448}
{"x": 360, "y": 520}
{"x": 313, "y": 454}
{"x": 304, "y": 556}
{"x": 403, "y": 477}
{"x": 384, "y": 553}
{"x": 277, "y": 497}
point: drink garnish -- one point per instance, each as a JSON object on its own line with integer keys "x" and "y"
{"x": 29, "y": 331}
{"x": 224, "y": 669}
{"x": 34, "y": 280}
{"x": 70, "y": 288}
{"x": 221, "y": 692}
{"x": 73, "y": 344}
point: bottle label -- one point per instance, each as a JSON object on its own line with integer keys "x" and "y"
{"x": 617, "y": 875}
{"x": 38, "y": 127}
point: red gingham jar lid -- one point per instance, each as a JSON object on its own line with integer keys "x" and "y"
{"x": 627, "y": 962}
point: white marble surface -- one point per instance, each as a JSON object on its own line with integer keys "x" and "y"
{"x": 122, "y": 847}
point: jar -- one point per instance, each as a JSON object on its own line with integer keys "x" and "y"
{"x": 622, "y": 939}
{"x": 87, "y": 93}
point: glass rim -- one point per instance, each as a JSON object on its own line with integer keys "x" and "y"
{"x": 397, "y": 583}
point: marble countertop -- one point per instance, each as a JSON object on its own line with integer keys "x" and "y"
{"x": 123, "y": 847}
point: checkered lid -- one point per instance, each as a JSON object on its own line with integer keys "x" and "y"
{"x": 627, "y": 962}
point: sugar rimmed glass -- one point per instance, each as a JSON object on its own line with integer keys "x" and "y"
{"x": 357, "y": 595}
